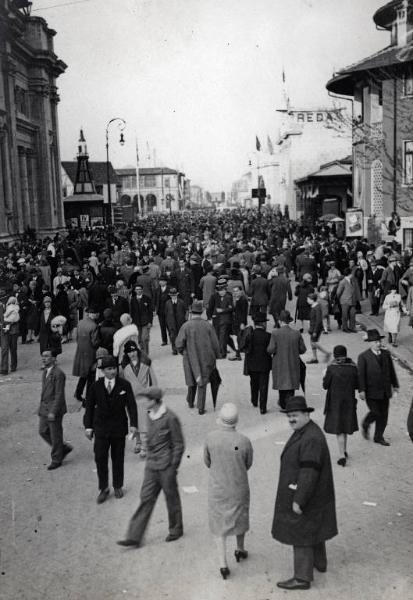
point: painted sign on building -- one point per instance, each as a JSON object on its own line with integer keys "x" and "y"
{"x": 354, "y": 223}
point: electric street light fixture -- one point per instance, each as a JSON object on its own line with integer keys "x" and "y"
{"x": 121, "y": 125}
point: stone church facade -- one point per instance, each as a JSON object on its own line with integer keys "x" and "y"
{"x": 30, "y": 186}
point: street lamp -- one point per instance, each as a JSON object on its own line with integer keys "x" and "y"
{"x": 121, "y": 125}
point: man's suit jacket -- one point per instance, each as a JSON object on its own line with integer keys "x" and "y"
{"x": 141, "y": 310}
{"x": 259, "y": 292}
{"x": 376, "y": 379}
{"x": 107, "y": 413}
{"x": 348, "y": 292}
{"x": 254, "y": 343}
{"x": 53, "y": 399}
{"x": 175, "y": 320}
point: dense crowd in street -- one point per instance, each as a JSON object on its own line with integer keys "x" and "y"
{"x": 215, "y": 282}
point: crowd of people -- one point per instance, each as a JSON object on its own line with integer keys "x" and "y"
{"x": 103, "y": 289}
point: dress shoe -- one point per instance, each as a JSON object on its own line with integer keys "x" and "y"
{"x": 4, "y": 373}
{"x": 312, "y": 361}
{"x": 263, "y": 411}
{"x": 201, "y": 411}
{"x": 102, "y": 496}
{"x": 118, "y": 492}
{"x": 365, "y": 431}
{"x": 190, "y": 405}
{"x": 321, "y": 569}
{"x": 67, "y": 449}
{"x": 342, "y": 462}
{"x": 128, "y": 543}
{"x": 234, "y": 358}
{"x": 171, "y": 537}
{"x": 224, "y": 572}
{"x": 163, "y": 344}
{"x": 174, "y": 352}
{"x": 54, "y": 465}
{"x": 294, "y": 584}
{"x": 382, "y": 442}
{"x": 240, "y": 554}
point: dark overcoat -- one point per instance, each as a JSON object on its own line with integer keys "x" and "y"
{"x": 376, "y": 378}
{"x": 341, "y": 383}
{"x": 280, "y": 289}
{"x": 175, "y": 320}
{"x": 302, "y": 291}
{"x": 306, "y": 477}
{"x": 254, "y": 343}
{"x": 285, "y": 346}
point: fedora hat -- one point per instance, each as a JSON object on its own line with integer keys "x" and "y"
{"x": 373, "y": 336}
{"x": 173, "y": 291}
{"x": 340, "y": 352}
{"x": 109, "y": 362}
{"x": 260, "y": 318}
{"x": 197, "y": 307}
{"x": 297, "y": 403}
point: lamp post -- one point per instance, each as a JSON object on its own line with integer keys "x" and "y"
{"x": 121, "y": 125}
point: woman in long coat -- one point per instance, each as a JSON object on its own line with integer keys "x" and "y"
{"x": 341, "y": 383}
{"x": 228, "y": 455}
{"x": 140, "y": 374}
{"x": 45, "y": 317}
{"x": 302, "y": 291}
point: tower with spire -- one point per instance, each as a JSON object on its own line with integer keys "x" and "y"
{"x": 84, "y": 183}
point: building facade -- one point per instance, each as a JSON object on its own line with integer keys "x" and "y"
{"x": 381, "y": 87}
{"x": 308, "y": 138}
{"x": 30, "y": 185}
{"x": 327, "y": 191}
{"x": 160, "y": 189}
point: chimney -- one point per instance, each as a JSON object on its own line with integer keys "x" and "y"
{"x": 402, "y": 12}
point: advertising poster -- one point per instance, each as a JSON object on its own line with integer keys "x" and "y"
{"x": 354, "y": 223}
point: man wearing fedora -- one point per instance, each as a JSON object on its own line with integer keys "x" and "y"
{"x": 198, "y": 343}
{"x": 257, "y": 363}
{"x": 305, "y": 510}
{"x": 165, "y": 448}
{"x": 285, "y": 346}
{"x": 109, "y": 403}
{"x": 175, "y": 316}
{"x": 377, "y": 384}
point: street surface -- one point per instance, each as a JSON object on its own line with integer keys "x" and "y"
{"x": 57, "y": 544}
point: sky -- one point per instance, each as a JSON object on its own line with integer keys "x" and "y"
{"x": 197, "y": 80}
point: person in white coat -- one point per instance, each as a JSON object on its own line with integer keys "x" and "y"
{"x": 392, "y": 305}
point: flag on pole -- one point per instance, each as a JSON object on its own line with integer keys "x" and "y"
{"x": 270, "y": 146}
{"x": 137, "y": 152}
{"x": 257, "y": 143}
{"x": 284, "y": 75}
{"x": 148, "y": 152}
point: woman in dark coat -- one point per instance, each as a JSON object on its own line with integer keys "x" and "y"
{"x": 45, "y": 317}
{"x": 302, "y": 291}
{"x": 32, "y": 312}
{"x": 341, "y": 383}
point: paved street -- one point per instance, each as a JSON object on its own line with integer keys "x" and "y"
{"x": 57, "y": 543}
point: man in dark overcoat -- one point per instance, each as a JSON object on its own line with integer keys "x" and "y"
{"x": 109, "y": 403}
{"x": 377, "y": 384}
{"x": 305, "y": 511}
{"x": 239, "y": 318}
{"x": 257, "y": 363}
{"x": 219, "y": 310}
{"x": 52, "y": 409}
{"x": 280, "y": 290}
{"x": 285, "y": 346}
{"x": 175, "y": 316}
{"x": 161, "y": 298}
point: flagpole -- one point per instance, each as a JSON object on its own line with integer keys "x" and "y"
{"x": 140, "y": 206}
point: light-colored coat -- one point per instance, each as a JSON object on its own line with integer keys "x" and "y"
{"x": 228, "y": 455}
{"x": 286, "y": 345}
{"x": 85, "y": 354}
{"x": 199, "y": 343}
{"x": 141, "y": 382}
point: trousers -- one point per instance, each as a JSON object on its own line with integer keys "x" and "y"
{"x": 8, "y": 345}
{"x": 308, "y": 557}
{"x": 379, "y": 413}
{"x": 259, "y": 388}
{"x": 348, "y": 317}
{"x": 162, "y": 324}
{"x": 116, "y": 445}
{"x": 153, "y": 482}
{"x": 52, "y": 433}
{"x": 144, "y": 336}
{"x": 283, "y": 397}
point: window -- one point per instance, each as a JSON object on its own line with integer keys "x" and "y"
{"x": 149, "y": 181}
{"x": 408, "y": 81}
{"x": 167, "y": 182}
{"x": 408, "y": 163}
{"x": 407, "y": 238}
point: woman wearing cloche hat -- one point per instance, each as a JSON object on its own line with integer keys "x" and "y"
{"x": 228, "y": 456}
